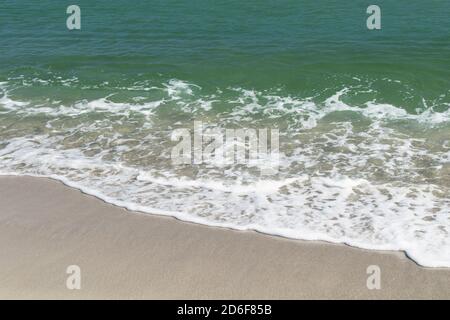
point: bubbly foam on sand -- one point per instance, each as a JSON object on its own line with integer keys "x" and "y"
{"x": 372, "y": 176}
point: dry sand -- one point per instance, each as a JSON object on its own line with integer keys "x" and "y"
{"x": 46, "y": 226}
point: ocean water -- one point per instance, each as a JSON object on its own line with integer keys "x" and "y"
{"x": 363, "y": 116}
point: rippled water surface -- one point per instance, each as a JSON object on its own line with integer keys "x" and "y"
{"x": 363, "y": 116}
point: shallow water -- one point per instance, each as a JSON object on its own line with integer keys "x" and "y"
{"x": 363, "y": 116}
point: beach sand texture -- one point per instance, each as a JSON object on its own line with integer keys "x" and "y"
{"x": 46, "y": 226}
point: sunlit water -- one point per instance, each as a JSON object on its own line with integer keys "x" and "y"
{"x": 363, "y": 116}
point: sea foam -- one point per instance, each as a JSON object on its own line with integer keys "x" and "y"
{"x": 348, "y": 173}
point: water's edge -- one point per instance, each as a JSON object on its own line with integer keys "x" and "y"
{"x": 183, "y": 217}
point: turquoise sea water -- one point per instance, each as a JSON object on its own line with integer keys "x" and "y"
{"x": 363, "y": 115}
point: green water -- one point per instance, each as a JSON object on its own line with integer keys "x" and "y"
{"x": 363, "y": 115}
{"x": 303, "y": 47}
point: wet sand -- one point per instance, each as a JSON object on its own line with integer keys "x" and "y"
{"x": 46, "y": 226}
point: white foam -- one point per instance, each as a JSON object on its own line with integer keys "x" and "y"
{"x": 373, "y": 187}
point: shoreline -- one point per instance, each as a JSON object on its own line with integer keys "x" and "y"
{"x": 45, "y": 226}
{"x": 184, "y": 218}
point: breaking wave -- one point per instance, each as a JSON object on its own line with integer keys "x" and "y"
{"x": 372, "y": 175}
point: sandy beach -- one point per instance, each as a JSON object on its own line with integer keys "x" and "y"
{"x": 46, "y": 226}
